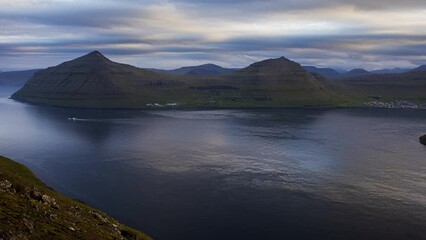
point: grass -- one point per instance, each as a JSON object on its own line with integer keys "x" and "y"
{"x": 31, "y": 210}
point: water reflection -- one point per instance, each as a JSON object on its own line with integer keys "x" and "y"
{"x": 268, "y": 174}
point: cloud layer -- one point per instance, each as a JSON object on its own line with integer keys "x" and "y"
{"x": 167, "y": 34}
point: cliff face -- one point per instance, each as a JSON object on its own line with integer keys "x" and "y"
{"x": 423, "y": 139}
{"x": 30, "y": 210}
{"x": 95, "y": 81}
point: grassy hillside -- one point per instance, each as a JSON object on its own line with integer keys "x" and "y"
{"x": 30, "y": 210}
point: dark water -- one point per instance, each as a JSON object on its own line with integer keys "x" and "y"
{"x": 233, "y": 174}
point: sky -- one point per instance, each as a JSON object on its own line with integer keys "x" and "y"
{"x": 345, "y": 34}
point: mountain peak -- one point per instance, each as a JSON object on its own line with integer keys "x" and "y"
{"x": 358, "y": 70}
{"x": 283, "y": 58}
{"x": 275, "y": 64}
{"x": 95, "y": 54}
{"x": 94, "y": 58}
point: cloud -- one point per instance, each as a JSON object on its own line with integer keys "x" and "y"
{"x": 313, "y": 4}
{"x": 342, "y": 34}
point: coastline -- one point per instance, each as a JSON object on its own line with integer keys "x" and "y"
{"x": 365, "y": 105}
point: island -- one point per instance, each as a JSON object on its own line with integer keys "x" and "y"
{"x": 94, "y": 81}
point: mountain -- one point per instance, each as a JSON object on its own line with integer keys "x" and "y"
{"x": 421, "y": 68}
{"x": 281, "y": 82}
{"x": 16, "y": 78}
{"x": 390, "y": 71}
{"x": 90, "y": 81}
{"x": 201, "y": 70}
{"x": 325, "y": 72}
{"x": 31, "y": 210}
{"x": 94, "y": 81}
{"x": 355, "y": 73}
{"x": 268, "y": 83}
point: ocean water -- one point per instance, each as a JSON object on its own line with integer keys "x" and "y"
{"x": 232, "y": 174}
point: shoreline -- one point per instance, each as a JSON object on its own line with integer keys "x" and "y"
{"x": 204, "y": 108}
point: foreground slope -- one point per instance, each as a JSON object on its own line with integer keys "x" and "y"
{"x": 30, "y": 210}
{"x": 95, "y": 81}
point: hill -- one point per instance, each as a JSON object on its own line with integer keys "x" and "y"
{"x": 96, "y": 82}
{"x": 31, "y": 210}
{"x": 390, "y": 71}
{"x": 421, "y": 68}
{"x": 355, "y": 73}
{"x": 16, "y": 78}
{"x": 280, "y": 82}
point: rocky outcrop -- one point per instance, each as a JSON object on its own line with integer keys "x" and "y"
{"x": 423, "y": 139}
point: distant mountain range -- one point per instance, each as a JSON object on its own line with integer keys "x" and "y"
{"x": 325, "y": 72}
{"x": 390, "y": 71}
{"x": 201, "y": 70}
{"x": 335, "y": 74}
{"x": 330, "y": 73}
{"x": 18, "y": 78}
{"x": 94, "y": 81}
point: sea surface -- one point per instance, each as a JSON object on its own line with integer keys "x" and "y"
{"x": 232, "y": 174}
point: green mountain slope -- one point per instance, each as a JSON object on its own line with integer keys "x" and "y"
{"x": 30, "y": 210}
